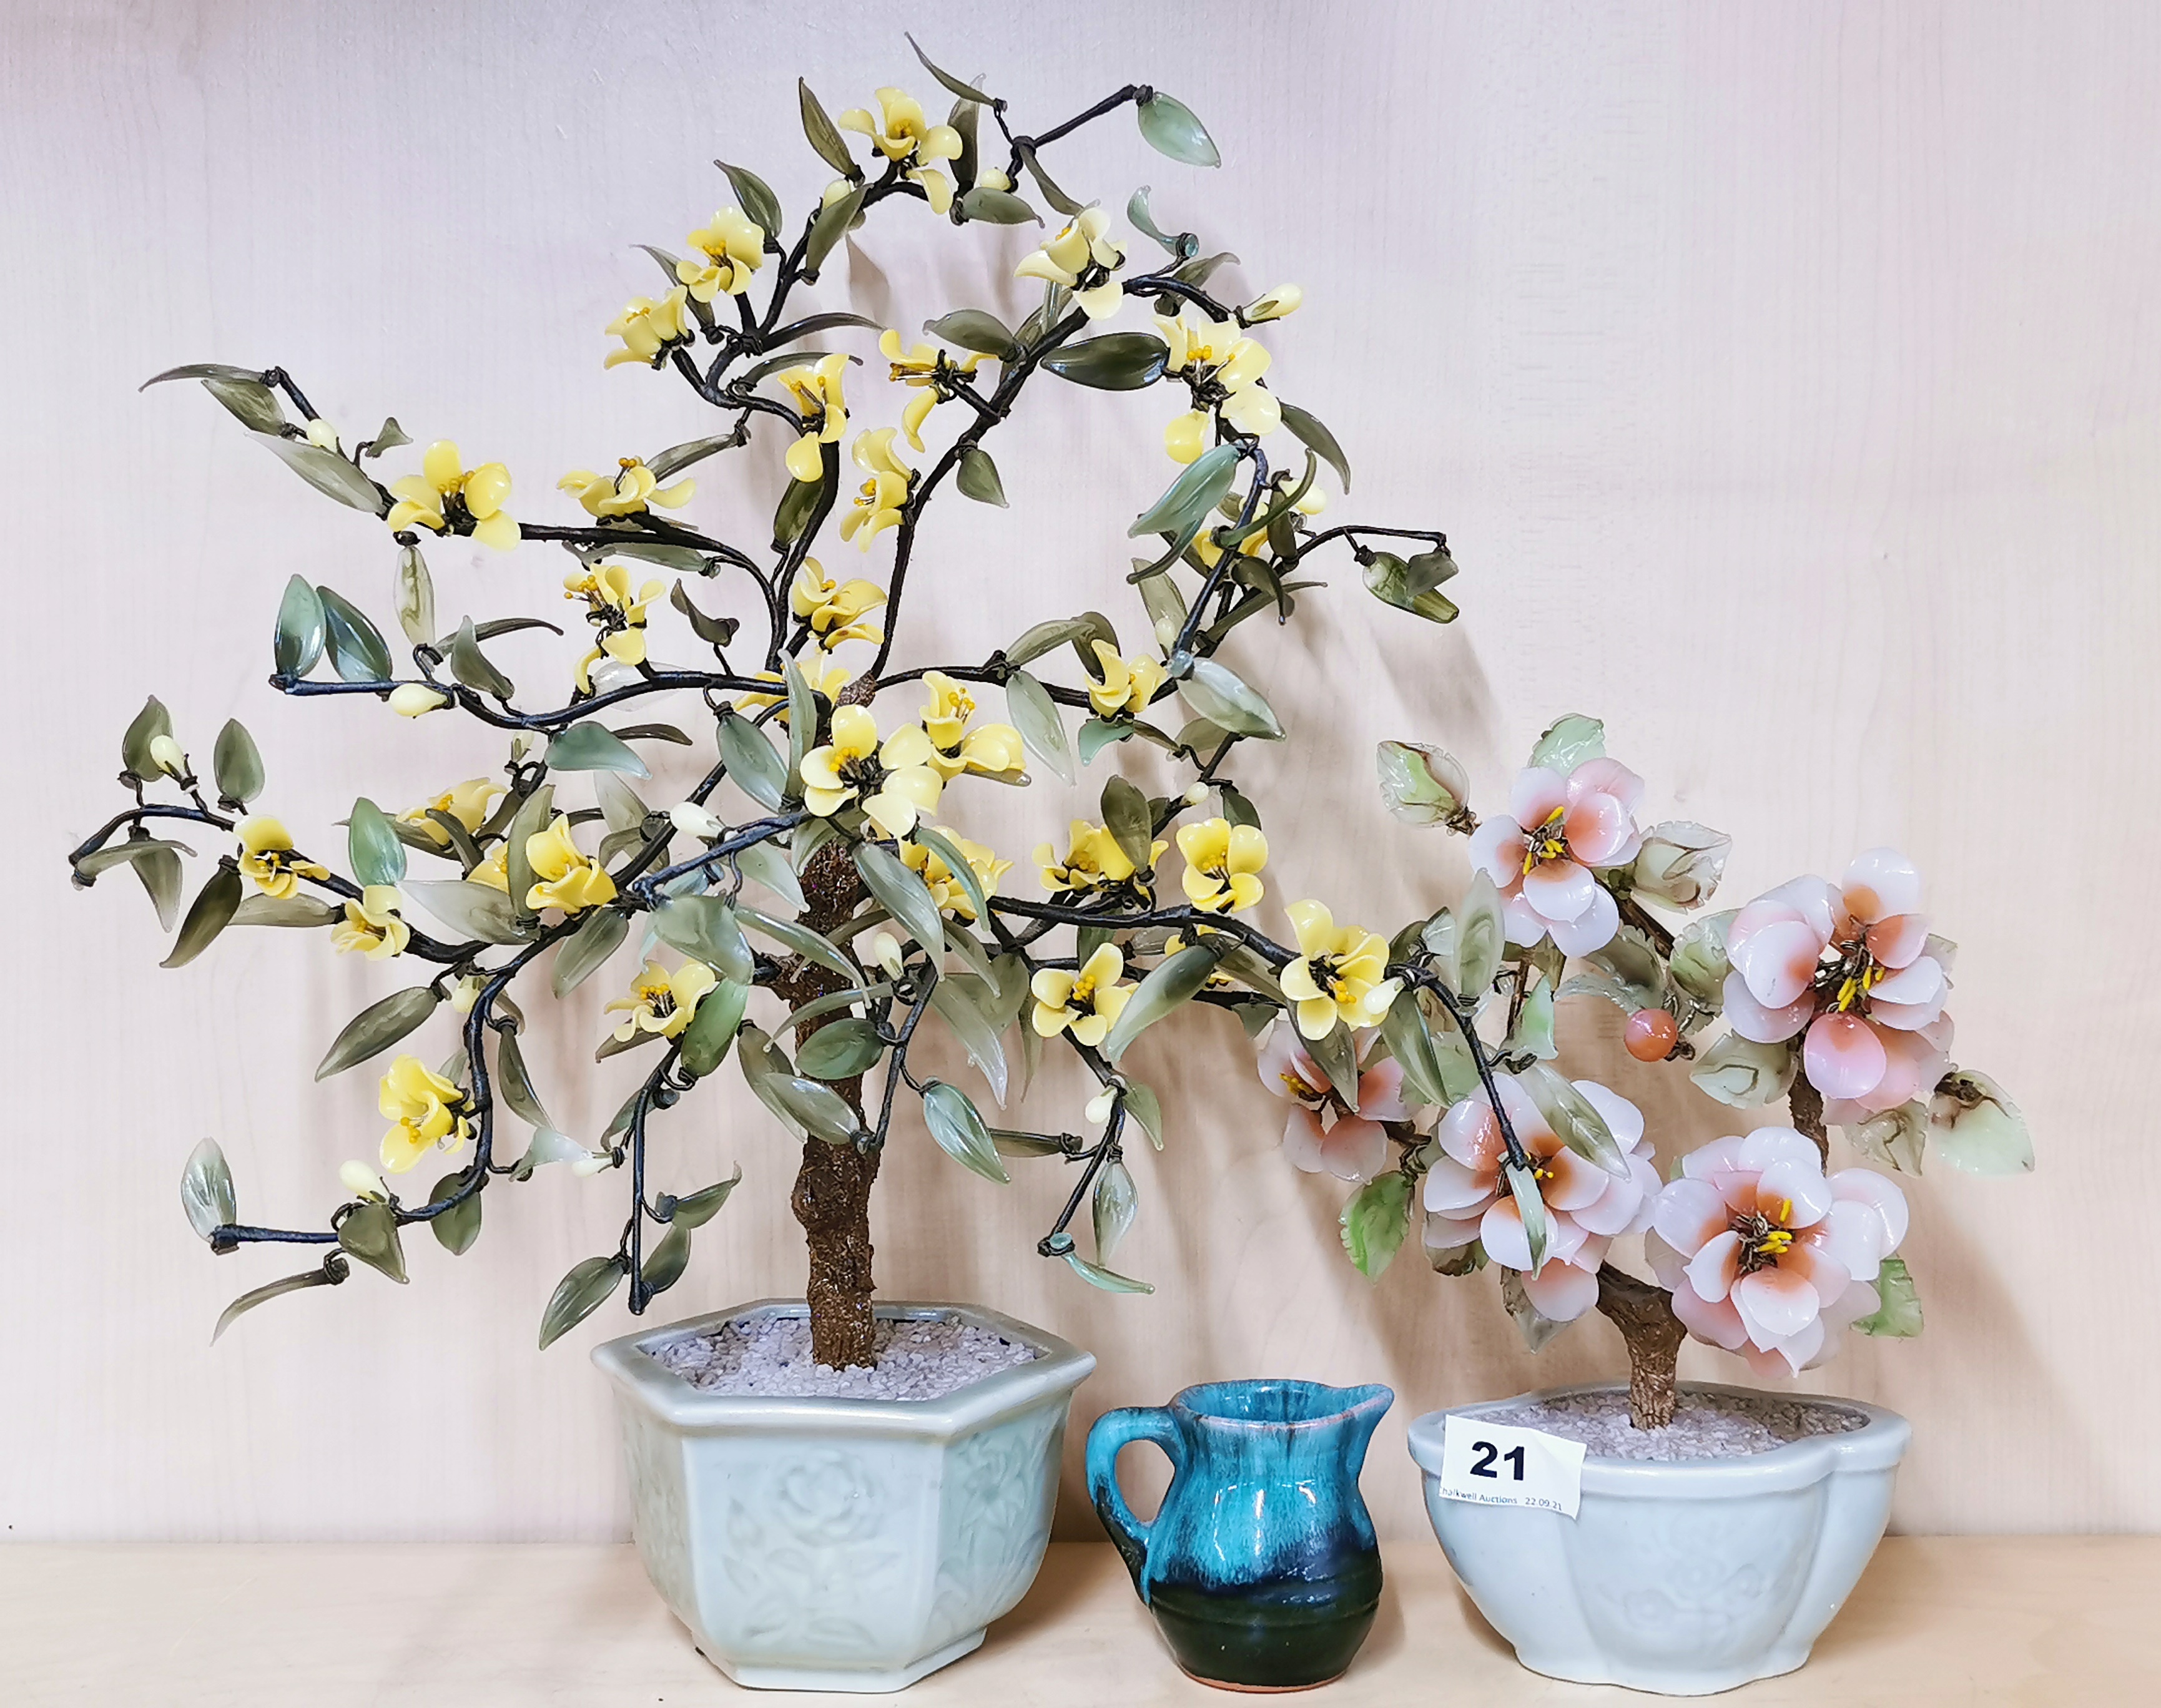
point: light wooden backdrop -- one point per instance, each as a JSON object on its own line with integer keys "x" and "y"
{"x": 1788, "y": 376}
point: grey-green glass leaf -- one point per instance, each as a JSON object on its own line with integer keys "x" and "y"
{"x": 299, "y": 640}
{"x": 973, "y": 329}
{"x": 1116, "y": 362}
{"x": 372, "y": 846}
{"x": 757, "y": 200}
{"x": 581, "y": 954}
{"x": 457, "y": 1228}
{"x": 830, "y": 226}
{"x": 1168, "y": 987}
{"x": 370, "y": 1233}
{"x": 823, "y": 135}
{"x": 587, "y": 746}
{"x": 977, "y": 1035}
{"x": 1096, "y": 1275}
{"x": 1172, "y": 129}
{"x": 376, "y": 1028}
{"x": 701, "y": 1206}
{"x": 327, "y": 473}
{"x": 236, "y": 764}
{"x": 207, "y": 1193}
{"x": 900, "y": 893}
{"x": 1036, "y": 715}
{"x": 704, "y": 928}
{"x": 841, "y": 1049}
{"x": 473, "y": 667}
{"x": 704, "y": 1041}
{"x": 357, "y": 650}
{"x": 146, "y": 727}
{"x": 263, "y": 1295}
{"x": 578, "y": 1295}
{"x": 799, "y": 940}
{"x": 978, "y": 477}
{"x": 958, "y": 1128}
{"x": 756, "y": 769}
{"x": 209, "y": 913}
{"x": 1115, "y": 1204}
{"x": 1226, "y": 699}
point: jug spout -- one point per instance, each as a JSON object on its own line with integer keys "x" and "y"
{"x": 1362, "y": 1411}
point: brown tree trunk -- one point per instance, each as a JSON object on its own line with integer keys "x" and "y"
{"x": 832, "y": 1195}
{"x": 1644, "y": 1315}
{"x": 1805, "y": 1104}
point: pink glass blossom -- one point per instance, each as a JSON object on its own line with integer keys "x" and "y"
{"x": 1321, "y": 1136}
{"x": 1541, "y": 857}
{"x": 1467, "y": 1199}
{"x": 1852, "y": 966}
{"x": 1763, "y": 1255}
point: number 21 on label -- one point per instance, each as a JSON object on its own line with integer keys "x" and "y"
{"x": 1497, "y": 1464}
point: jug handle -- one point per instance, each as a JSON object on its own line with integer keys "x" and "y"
{"x": 1112, "y": 1431}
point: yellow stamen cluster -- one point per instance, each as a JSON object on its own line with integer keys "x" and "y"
{"x": 1548, "y": 841}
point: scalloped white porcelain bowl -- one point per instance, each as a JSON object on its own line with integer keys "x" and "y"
{"x": 1685, "y": 1577}
{"x": 842, "y": 1545}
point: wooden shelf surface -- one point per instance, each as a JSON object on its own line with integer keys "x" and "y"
{"x": 1963, "y": 1620}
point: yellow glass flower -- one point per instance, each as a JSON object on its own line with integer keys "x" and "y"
{"x": 468, "y": 802}
{"x": 834, "y": 609}
{"x": 321, "y": 435}
{"x": 892, "y": 780}
{"x": 661, "y": 1001}
{"x": 1283, "y": 300}
{"x": 627, "y": 492}
{"x": 1081, "y": 257}
{"x": 1086, "y": 1003}
{"x": 467, "y": 991}
{"x": 733, "y": 248}
{"x": 445, "y": 488}
{"x": 427, "y": 1109}
{"x": 919, "y": 366}
{"x": 901, "y": 132}
{"x": 1203, "y": 345}
{"x": 937, "y": 187}
{"x": 1127, "y": 685}
{"x": 494, "y": 869}
{"x": 1224, "y": 368}
{"x": 371, "y": 925}
{"x": 877, "y": 502}
{"x": 618, "y": 614}
{"x": 266, "y": 854}
{"x": 990, "y": 750}
{"x": 567, "y": 878}
{"x": 416, "y": 700}
{"x": 1222, "y": 863}
{"x": 819, "y": 399}
{"x": 1093, "y": 860}
{"x": 825, "y": 677}
{"x": 1338, "y": 973}
{"x": 948, "y": 892}
{"x": 647, "y": 325}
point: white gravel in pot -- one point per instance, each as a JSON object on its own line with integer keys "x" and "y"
{"x": 918, "y": 1358}
{"x": 1704, "y": 1426}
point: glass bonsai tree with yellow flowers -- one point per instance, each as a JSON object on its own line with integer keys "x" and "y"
{"x": 813, "y": 901}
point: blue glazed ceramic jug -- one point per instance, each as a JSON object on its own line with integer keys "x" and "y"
{"x": 1261, "y": 1568}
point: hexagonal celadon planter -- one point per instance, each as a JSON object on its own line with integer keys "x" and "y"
{"x": 842, "y": 1545}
